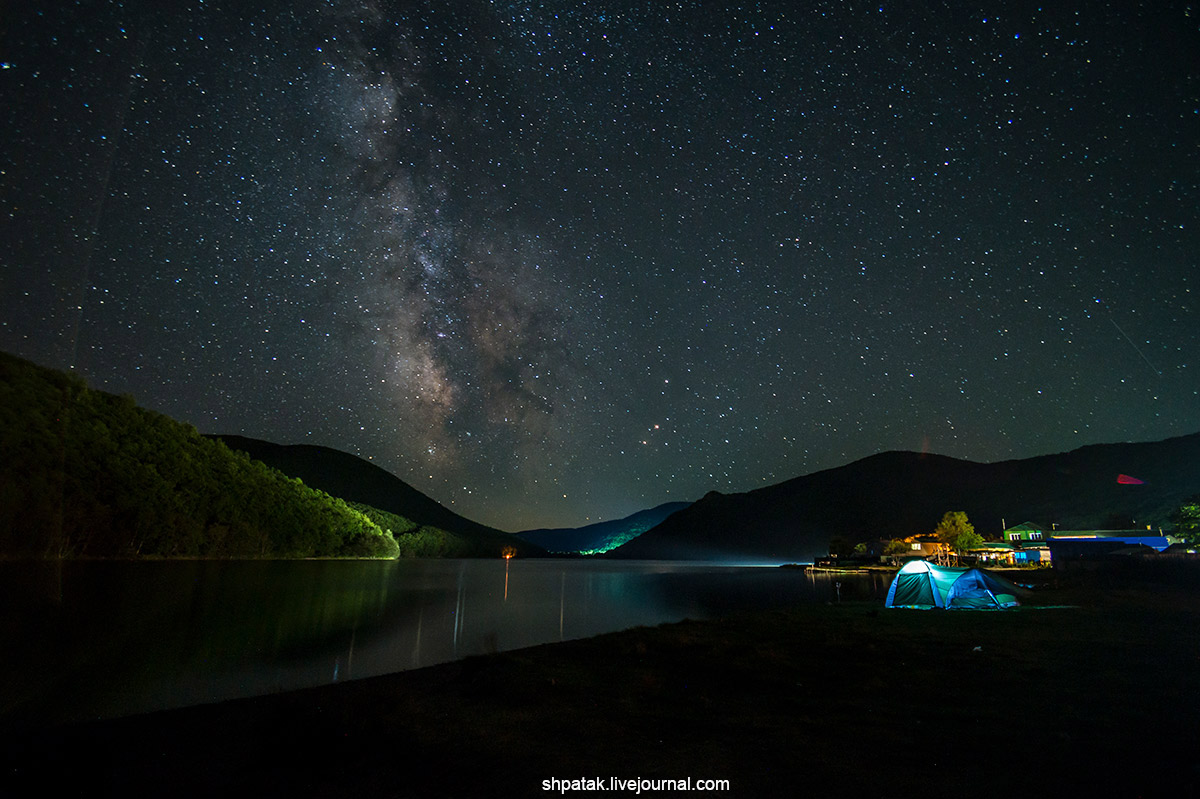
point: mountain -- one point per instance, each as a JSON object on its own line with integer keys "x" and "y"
{"x": 359, "y": 481}
{"x": 897, "y": 494}
{"x": 86, "y": 473}
{"x": 601, "y": 537}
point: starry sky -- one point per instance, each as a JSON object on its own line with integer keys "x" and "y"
{"x": 553, "y": 263}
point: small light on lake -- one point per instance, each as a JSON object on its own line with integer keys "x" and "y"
{"x": 507, "y": 553}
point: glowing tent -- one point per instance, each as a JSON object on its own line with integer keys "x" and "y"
{"x": 921, "y": 584}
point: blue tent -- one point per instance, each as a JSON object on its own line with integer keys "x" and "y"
{"x": 921, "y": 584}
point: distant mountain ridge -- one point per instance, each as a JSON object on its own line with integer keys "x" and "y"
{"x": 897, "y": 494}
{"x": 354, "y": 479}
{"x": 89, "y": 474}
{"x": 601, "y": 536}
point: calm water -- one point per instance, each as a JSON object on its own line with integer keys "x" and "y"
{"x": 87, "y": 640}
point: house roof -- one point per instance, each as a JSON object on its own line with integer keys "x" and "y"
{"x": 1135, "y": 533}
{"x": 1026, "y": 527}
{"x": 986, "y": 545}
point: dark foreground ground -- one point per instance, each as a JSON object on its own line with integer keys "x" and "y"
{"x": 842, "y": 700}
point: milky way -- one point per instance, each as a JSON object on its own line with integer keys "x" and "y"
{"x": 558, "y": 262}
{"x": 464, "y": 321}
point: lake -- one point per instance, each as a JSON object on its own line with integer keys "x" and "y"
{"x": 95, "y": 639}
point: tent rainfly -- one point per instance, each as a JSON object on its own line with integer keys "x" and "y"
{"x": 921, "y": 584}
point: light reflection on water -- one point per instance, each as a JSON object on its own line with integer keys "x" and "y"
{"x": 86, "y": 640}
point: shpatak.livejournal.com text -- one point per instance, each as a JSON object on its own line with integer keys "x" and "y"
{"x": 633, "y": 785}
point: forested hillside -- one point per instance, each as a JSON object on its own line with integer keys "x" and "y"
{"x": 415, "y": 540}
{"x": 422, "y": 527}
{"x": 89, "y": 474}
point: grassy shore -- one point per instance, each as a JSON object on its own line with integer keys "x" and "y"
{"x": 1097, "y": 691}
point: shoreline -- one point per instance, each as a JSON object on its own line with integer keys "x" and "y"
{"x": 846, "y": 699}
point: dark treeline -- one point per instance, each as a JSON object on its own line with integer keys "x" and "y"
{"x": 85, "y": 473}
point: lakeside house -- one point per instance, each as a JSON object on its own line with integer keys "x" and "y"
{"x": 927, "y": 547}
{"x": 1062, "y": 548}
{"x": 1000, "y": 553}
{"x": 1026, "y": 544}
{"x": 1025, "y": 531}
{"x": 924, "y": 547}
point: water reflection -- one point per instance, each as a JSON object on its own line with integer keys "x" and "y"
{"x": 102, "y": 639}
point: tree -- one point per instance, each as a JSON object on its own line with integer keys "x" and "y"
{"x": 953, "y": 524}
{"x": 1186, "y": 519}
{"x": 957, "y": 533}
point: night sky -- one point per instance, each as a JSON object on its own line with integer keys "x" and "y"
{"x": 552, "y": 263}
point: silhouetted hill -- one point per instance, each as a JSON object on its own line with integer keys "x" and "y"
{"x": 86, "y": 473}
{"x": 897, "y": 494}
{"x": 359, "y": 481}
{"x": 602, "y": 536}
